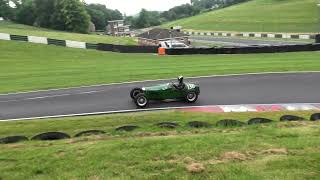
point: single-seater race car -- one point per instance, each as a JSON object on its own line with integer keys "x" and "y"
{"x": 178, "y": 91}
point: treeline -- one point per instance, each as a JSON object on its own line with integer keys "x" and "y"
{"x": 76, "y": 16}
{"x": 154, "y": 18}
{"x": 65, "y": 15}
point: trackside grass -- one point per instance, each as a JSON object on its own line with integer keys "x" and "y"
{"x": 27, "y": 66}
{"x": 20, "y": 29}
{"x": 278, "y": 150}
{"x": 257, "y": 16}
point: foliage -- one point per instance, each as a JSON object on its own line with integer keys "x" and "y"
{"x": 5, "y": 10}
{"x": 154, "y": 18}
{"x": 100, "y": 15}
{"x": 44, "y": 11}
{"x": 26, "y": 12}
{"x": 70, "y": 15}
{"x": 179, "y": 12}
{"x": 146, "y": 19}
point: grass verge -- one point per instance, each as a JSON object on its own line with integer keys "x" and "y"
{"x": 282, "y": 150}
{"x": 26, "y": 66}
{"x": 20, "y": 29}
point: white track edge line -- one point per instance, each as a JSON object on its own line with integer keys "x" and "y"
{"x": 141, "y": 110}
{"x": 141, "y": 81}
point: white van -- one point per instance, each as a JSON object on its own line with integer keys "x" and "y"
{"x": 173, "y": 44}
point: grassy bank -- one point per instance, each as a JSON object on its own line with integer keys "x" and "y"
{"x": 257, "y": 16}
{"x": 281, "y": 150}
{"x": 20, "y": 29}
{"x": 26, "y": 66}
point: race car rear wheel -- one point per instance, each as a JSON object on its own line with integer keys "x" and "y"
{"x": 191, "y": 97}
{"x": 134, "y": 92}
{"x": 141, "y": 100}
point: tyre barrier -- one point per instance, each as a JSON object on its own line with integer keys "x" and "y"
{"x": 171, "y": 125}
{"x": 315, "y": 117}
{"x": 198, "y": 124}
{"x": 127, "y": 128}
{"x": 245, "y": 50}
{"x": 229, "y": 123}
{"x": 127, "y": 48}
{"x": 89, "y": 133}
{"x": 13, "y": 139}
{"x": 19, "y": 38}
{"x": 56, "y": 42}
{"x": 259, "y": 121}
{"x": 317, "y": 37}
{"x": 50, "y": 136}
{"x": 291, "y": 118}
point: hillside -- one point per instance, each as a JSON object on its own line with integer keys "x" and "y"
{"x": 20, "y": 29}
{"x": 257, "y": 16}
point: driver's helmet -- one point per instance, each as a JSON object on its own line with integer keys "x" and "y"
{"x": 180, "y": 79}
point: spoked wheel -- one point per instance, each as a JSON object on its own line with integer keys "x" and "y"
{"x": 141, "y": 100}
{"x": 134, "y": 92}
{"x": 191, "y": 97}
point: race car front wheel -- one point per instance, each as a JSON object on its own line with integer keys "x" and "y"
{"x": 191, "y": 97}
{"x": 134, "y": 92}
{"x": 141, "y": 100}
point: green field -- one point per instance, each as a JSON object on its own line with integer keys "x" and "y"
{"x": 27, "y": 66}
{"x": 258, "y": 16}
{"x": 20, "y": 29}
{"x": 270, "y": 151}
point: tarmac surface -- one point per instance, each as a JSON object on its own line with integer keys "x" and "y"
{"x": 234, "y": 41}
{"x": 270, "y": 88}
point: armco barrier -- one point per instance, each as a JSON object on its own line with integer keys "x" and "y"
{"x": 127, "y": 49}
{"x": 245, "y": 50}
{"x": 253, "y": 34}
{"x": 91, "y": 46}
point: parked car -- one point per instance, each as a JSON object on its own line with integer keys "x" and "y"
{"x": 178, "y": 91}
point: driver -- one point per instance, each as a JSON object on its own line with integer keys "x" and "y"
{"x": 181, "y": 85}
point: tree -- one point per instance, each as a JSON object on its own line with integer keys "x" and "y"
{"x": 70, "y": 15}
{"x": 5, "y": 10}
{"x": 100, "y": 15}
{"x": 26, "y": 12}
{"x": 97, "y": 18}
{"x": 44, "y": 10}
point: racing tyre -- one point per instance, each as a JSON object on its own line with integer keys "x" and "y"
{"x": 134, "y": 92}
{"x": 191, "y": 97}
{"x": 141, "y": 100}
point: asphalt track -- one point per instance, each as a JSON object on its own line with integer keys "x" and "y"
{"x": 233, "y": 41}
{"x": 268, "y": 88}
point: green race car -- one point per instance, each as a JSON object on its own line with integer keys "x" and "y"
{"x": 180, "y": 91}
